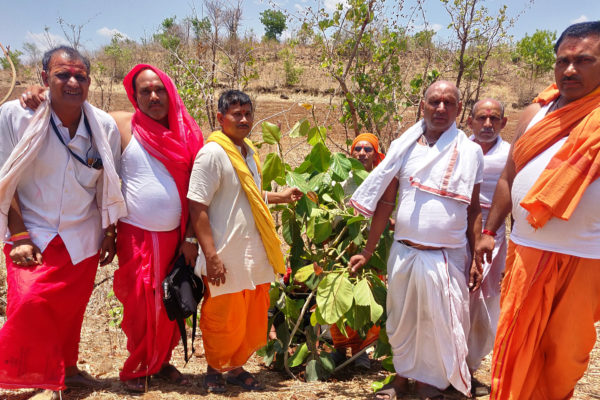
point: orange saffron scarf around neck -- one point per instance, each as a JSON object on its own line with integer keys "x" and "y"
{"x": 559, "y": 188}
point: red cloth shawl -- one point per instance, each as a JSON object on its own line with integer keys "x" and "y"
{"x": 176, "y": 147}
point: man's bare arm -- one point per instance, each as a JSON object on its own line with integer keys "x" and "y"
{"x": 473, "y": 236}
{"x": 24, "y": 252}
{"x": 287, "y": 195}
{"x": 380, "y": 219}
{"x": 215, "y": 270}
{"x": 502, "y": 202}
{"x": 123, "y": 120}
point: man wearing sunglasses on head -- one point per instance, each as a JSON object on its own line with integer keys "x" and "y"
{"x": 59, "y": 200}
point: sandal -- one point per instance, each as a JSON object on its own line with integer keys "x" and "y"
{"x": 387, "y": 390}
{"x": 172, "y": 375}
{"x": 136, "y": 385}
{"x": 241, "y": 379}
{"x": 214, "y": 383}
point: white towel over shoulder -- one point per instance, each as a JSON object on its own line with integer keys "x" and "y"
{"x": 447, "y": 172}
{"x": 110, "y": 200}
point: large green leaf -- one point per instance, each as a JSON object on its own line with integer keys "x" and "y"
{"x": 301, "y": 128}
{"x": 334, "y": 296}
{"x": 327, "y": 362}
{"x": 320, "y": 157}
{"x": 319, "y": 229}
{"x": 304, "y": 273}
{"x": 338, "y": 193}
{"x": 292, "y": 308}
{"x": 312, "y": 374}
{"x": 272, "y": 169}
{"x": 294, "y": 179}
{"x": 362, "y": 293}
{"x": 359, "y": 176}
{"x": 364, "y": 297}
{"x": 270, "y": 133}
{"x": 317, "y": 135}
{"x": 340, "y": 167}
{"x": 299, "y": 356}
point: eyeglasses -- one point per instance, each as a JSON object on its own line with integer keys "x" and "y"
{"x": 366, "y": 149}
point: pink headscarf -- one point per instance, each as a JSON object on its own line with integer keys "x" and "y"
{"x": 176, "y": 147}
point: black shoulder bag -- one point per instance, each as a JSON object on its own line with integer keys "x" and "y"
{"x": 182, "y": 292}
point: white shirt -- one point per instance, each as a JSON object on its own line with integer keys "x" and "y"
{"x": 580, "y": 235}
{"x": 214, "y": 183}
{"x": 426, "y": 218}
{"x": 148, "y": 187}
{"x": 57, "y": 193}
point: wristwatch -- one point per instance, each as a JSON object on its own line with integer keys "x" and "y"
{"x": 191, "y": 240}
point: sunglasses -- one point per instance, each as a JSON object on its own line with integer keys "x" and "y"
{"x": 366, "y": 149}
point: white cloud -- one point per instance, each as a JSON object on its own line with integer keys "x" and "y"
{"x": 582, "y": 18}
{"x": 45, "y": 40}
{"x": 418, "y": 28}
{"x": 285, "y": 35}
{"x": 298, "y": 7}
{"x": 331, "y": 5}
{"x": 110, "y": 33}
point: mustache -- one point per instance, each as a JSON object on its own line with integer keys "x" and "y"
{"x": 570, "y": 78}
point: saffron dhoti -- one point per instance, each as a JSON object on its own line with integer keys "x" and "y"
{"x": 234, "y": 326}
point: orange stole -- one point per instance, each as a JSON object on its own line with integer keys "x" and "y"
{"x": 546, "y": 331}
{"x": 234, "y": 326}
{"x": 354, "y": 341}
{"x": 559, "y": 188}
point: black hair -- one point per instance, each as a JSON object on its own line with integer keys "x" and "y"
{"x": 580, "y": 30}
{"x": 231, "y": 97}
{"x": 71, "y": 54}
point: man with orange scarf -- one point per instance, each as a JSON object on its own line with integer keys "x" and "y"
{"x": 159, "y": 143}
{"x": 240, "y": 247}
{"x": 551, "y": 291}
{"x": 365, "y": 148}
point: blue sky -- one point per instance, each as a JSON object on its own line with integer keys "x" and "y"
{"x": 25, "y": 20}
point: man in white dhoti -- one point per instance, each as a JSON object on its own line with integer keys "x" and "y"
{"x": 435, "y": 171}
{"x": 486, "y": 122}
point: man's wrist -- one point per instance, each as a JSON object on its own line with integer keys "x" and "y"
{"x": 489, "y": 232}
{"x": 191, "y": 239}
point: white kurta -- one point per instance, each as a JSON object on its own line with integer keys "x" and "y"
{"x": 427, "y": 303}
{"x": 215, "y": 184}
{"x": 485, "y": 303}
{"x": 149, "y": 190}
{"x": 57, "y": 193}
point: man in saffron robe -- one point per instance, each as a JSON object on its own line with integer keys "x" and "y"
{"x": 435, "y": 172}
{"x": 550, "y": 296}
{"x": 365, "y": 148}
{"x": 240, "y": 247}
{"x": 60, "y": 199}
{"x": 159, "y": 144}
{"x": 486, "y": 122}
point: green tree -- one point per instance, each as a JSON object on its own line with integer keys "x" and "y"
{"x": 537, "y": 52}
{"x": 15, "y": 58}
{"x": 274, "y": 22}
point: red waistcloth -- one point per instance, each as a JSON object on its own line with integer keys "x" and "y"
{"x": 45, "y": 307}
{"x": 144, "y": 260}
{"x": 176, "y": 147}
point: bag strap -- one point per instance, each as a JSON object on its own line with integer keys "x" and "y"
{"x": 181, "y": 324}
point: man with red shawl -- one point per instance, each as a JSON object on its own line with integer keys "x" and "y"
{"x": 550, "y": 296}
{"x": 159, "y": 142}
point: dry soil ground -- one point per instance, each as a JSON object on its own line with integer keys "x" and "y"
{"x": 103, "y": 347}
